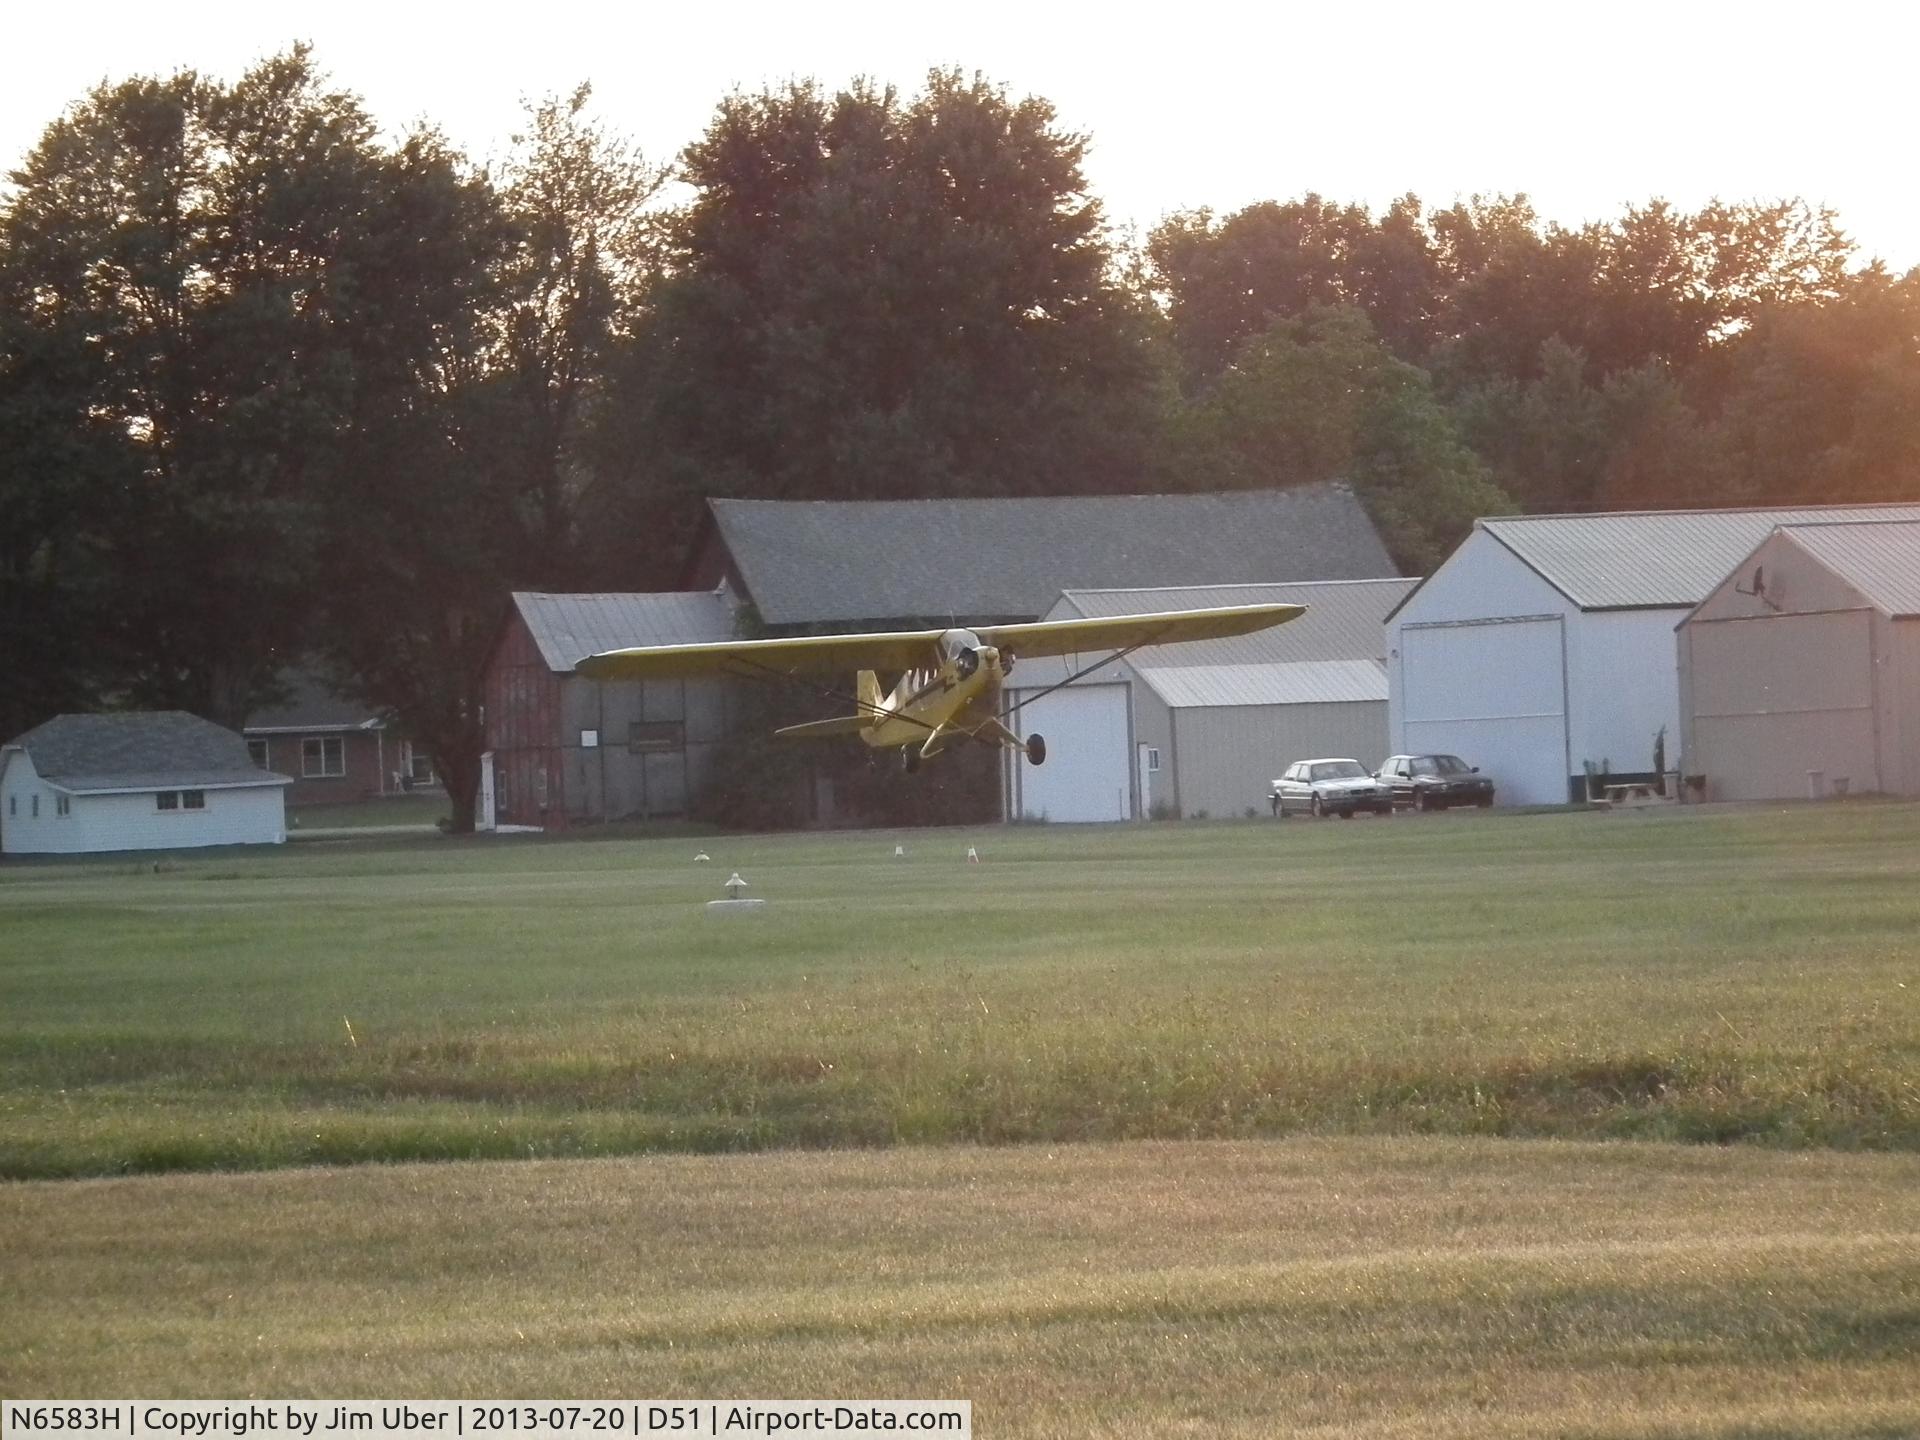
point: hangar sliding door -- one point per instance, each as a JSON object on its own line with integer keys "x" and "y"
{"x": 1088, "y": 774}
{"x": 1493, "y": 692}
{"x": 1776, "y": 697}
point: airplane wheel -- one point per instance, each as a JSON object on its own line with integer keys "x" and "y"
{"x": 910, "y": 760}
{"x": 1036, "y": 750}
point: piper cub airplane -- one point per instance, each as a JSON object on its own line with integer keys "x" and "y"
{"x": 951, "y": 681}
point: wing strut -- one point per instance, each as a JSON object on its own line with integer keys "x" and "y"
{"x": 767, "y": 675}
{"x": 1120, "y": 654}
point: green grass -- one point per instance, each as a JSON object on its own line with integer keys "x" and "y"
{"x": 1744, "y": 976}
{"x": 429, "y": 807}
{"x": 1412, "y": 1287}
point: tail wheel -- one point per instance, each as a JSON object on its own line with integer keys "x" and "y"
{"x": 910, "y": 760}
{"x": 1036, "y": 749}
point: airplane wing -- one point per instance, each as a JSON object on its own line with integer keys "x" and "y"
{"x": 1120, "y": 632}
{"x": 802, "y": 654}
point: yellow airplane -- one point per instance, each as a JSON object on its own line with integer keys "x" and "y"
{"x": 951, "y": 681}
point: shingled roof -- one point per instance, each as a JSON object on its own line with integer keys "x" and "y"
{"x": 836, "y": 561}
{"x": 141, "y": 750}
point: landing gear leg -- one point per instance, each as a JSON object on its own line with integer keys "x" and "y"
{"x": 1036, "y": 749}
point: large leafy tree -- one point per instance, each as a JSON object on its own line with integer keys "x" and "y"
{"x": 217, "y": 288}
{"x": 874, "y": 296}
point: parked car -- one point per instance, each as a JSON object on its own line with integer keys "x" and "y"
{"x": 1435, "y": 782}
{"x": 1329, "y": 787}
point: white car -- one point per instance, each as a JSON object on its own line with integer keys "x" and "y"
{"x": 1329, "y": 787}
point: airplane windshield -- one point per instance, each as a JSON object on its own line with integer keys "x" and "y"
{"x": 957, "y": 642}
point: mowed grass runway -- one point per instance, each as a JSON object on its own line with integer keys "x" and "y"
{"x": 1386, "y": 996}
{"x": 1691, "y": 976}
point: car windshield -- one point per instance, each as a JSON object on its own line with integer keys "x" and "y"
{"x": 1451, "y": 765}
{"x": 1339, "y": 770}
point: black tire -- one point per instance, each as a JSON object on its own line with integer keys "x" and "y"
{"x": 1484, "y": 802}
{"x": 1423, "y": 801}
{"x": 1346, "y": 814}
{"x": 1036, "y": 749}
{"x": 1316, "y": 809}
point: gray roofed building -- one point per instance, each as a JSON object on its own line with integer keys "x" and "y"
{"x": 1655, "y": 558}
{"x": 140, "y": 750}
{"x": 837, "y": 562}
{"x": 568, "y": 628}
{"x": 311, "y": 707}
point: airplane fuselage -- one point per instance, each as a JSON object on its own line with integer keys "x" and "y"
{"x": 932, "y": 707}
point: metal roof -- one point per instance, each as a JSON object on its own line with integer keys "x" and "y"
{"x": 568, "y": 628}
{"x": 834, "y": 561}
{"x": 1655, "y": 559}
{"x": 1300, "y": 682}
{"x": 1881, "y": 560}
{"x": 1344, "y": 620}
{"x": 141, "y": 750}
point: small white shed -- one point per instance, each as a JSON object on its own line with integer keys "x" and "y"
{"x": 152, "y": 780}
{"x": 1545, "y": 642}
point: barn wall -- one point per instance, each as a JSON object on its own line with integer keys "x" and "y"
{"x": 523, "y": 725}
{"x": 1153, "y": 726}
{"x": 1230, "y": 754}
{"x": 1899, "y": 677}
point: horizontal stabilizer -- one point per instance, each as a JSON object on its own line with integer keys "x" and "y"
{"x": 823, "y": 729}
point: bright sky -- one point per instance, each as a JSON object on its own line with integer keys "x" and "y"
{"x": 1584, "y": 107}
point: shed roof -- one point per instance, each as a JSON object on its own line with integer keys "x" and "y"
{"x": 1655, "y": 559}
{"x": 1299, "y": 682}
{"x": 1879, "y": 559}
{"x": 141, "y": 750}
{"x": 568, "y": 628}
{"x": 825, "y": 561}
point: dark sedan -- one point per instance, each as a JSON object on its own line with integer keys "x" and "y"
{"x": 1434, "y": 782}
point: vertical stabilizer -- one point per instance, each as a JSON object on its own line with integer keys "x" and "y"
{"x": 869, "y": 693}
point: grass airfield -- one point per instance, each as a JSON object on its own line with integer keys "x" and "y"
{"x": 1222, "y": 1129}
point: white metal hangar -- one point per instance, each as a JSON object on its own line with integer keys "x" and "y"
{"x": 1545, "y": 643}
{"x": 1200, "y": 729}
{"x": 1800, "y": 673}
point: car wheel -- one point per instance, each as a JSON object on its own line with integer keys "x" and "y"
{"x": 1316, "y": 809}
{"x": 1346, "y": 814}
{"x": 1273, "y": 801}
{"x": 1423, "y": 801}
{"x": 1484, "y": 802}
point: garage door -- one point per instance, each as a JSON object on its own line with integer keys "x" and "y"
{"x": 1087, "y": 775}
{"x": 1782, "y": 703}
{"x": 1493, "y": 692}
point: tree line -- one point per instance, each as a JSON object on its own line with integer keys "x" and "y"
{"x": 277, "y": 391}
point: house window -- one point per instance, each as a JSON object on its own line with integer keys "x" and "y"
{"x": 193, "y": 799}
{"x": 420, "y": 768}
{"x": 647, "y": 737}
{"x": 257, "y": 752}
{"x": 1153, "y": 760}
{"x": 166, "y": 800}
{"x": 63, "y": 804}
{"x": 36, "y": 807}
{"x": 13, "y": 804}
{"x": 323, "y": 756}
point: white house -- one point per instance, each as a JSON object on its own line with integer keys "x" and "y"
{"x": 1200, "y": 729}
{"x": 158, "y": 780}
{"x": 1545, "y": 643}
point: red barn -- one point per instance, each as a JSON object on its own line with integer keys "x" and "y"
{"x": 563, "y": 748}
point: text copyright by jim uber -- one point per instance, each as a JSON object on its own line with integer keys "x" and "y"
{"x": 432, "y": 1419}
